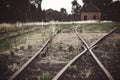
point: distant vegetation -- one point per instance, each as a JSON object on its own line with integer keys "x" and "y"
{"x": 12, "y": 11}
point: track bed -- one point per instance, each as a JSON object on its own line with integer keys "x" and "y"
{"x": 84, "y": 68}
{"x": 62, "y": 49}
{"x": 109, "y": 54}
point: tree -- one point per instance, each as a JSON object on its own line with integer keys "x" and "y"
{"x": 63, "y": 10}
{"x": 4, "y": 10}
{"x": 13, "y": 10}
{"x": 55, "y": 15}
{"x": 99, "y": 3}
{"x": 35, "y": 11}
{"x": 75, "y": 9}
{"x": 63, "y": 14}
{"x": 51, "y": 14}
{"x": 113, "y": 11}
{"x": 20, "y": 10}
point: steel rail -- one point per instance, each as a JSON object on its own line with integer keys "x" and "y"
{"x": 67, "y": 65}
{"x": 95, "y": 57}
{"x": 79, "y": 55}
{"x": 103, "y": 37}
{"x": 13, "y": 77}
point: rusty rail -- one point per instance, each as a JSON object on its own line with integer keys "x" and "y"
{"x": 87, "y": 48}
{"x": 17, "y": 73}
{"x": 95, "y": 57}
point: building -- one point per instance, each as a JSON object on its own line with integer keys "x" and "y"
{"x": 90, "y": 12}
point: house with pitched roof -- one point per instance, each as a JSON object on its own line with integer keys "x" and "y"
{"x": 90, "y": 12}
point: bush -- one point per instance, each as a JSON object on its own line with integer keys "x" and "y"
{"x": 45, "y": 76}
{"x": 70, "y": 48}
{"x": 29, "y": 48}
{"x": 73, "y": 68}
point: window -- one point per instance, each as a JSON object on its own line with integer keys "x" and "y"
{"x": 94, "y": 17}
{"x": 85, "y": 17}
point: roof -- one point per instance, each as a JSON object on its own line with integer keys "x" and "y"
{"x": 89, "y": 7}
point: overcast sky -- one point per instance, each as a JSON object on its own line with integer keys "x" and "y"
{"x": 58, "y": 4}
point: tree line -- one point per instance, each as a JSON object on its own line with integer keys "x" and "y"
{"x": 20, "y": 10}
{"x": 31, "y": 11}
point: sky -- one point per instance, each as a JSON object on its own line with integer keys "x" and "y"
{"x": 58, "y": 4}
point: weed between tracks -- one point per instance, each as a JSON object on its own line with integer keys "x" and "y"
{"x": 45, "y": 76}
{"x": 85, "y": 68}
{"x": 109, "y": 54}
{"x": 37, "y": 37}
{"x": 20, "y": 48}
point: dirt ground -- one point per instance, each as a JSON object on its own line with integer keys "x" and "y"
{"x": 59, "y": 53}
{"x": 15, "y": 59}
{"x": 109, "y": 53}
{"x": 86, "y": 68}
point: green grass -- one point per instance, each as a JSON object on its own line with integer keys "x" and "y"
{"x": 30, "y": 48}
{"x": 98, "y": 27}
{"x": 73, "y": 68}
{"x": 45, "y": 76}
{"x": 21, "y": 39}
{"x": 46, "y": 30}
{"x": 91, "y": 27}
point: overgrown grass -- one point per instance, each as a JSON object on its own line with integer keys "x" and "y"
{"x": 91, "y": 27}
{"x": 46, "y": 30}
{"x": 30, "y": 48}
{"x": 98, "y": 27}
{"x": 21, "y": 38}
{"x": 71, "y": 48}
{"x": 45, "y": 76}
{"x": 73, "y": 68}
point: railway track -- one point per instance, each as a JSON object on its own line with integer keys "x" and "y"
{"x": 65, "y": 73}
{"x": 109, "y": 54}
{"x": 58, "y": 55}
{"x": 32, "y": 69}
{"x": 17, "y": 74}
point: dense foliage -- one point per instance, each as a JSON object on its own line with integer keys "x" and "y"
{"x": 20, "y": 10}
{"x": 31, "y": 11}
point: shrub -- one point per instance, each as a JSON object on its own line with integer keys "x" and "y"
{"x": 70, "y": 48}
{"x": 29, "y": 48}
{"x": 73, "y": 68}
{"x": 45, "y": 76}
